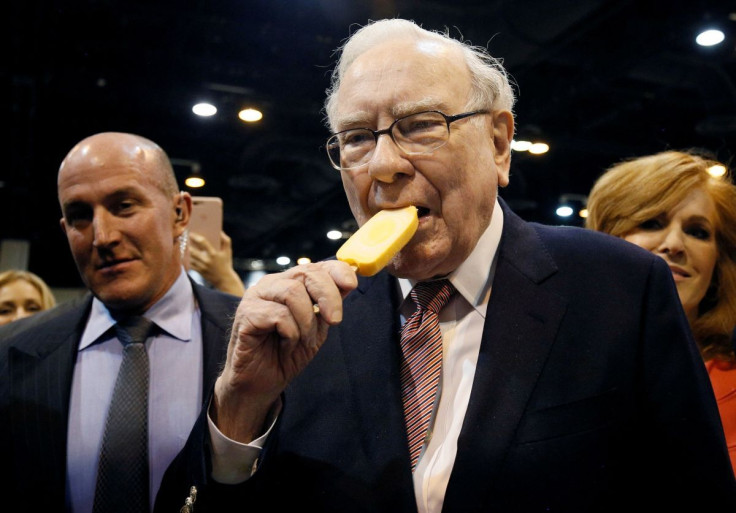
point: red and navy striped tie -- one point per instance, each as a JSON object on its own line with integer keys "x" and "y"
{"x": 421, "y": 346}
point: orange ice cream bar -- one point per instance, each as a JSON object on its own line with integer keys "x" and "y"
{"x": 377, "y": 241}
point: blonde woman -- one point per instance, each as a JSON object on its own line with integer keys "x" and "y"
{"x": 669, "y": 204}
{"x": 22, "y": 294}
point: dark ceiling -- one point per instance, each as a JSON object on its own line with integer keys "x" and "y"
{"x": 599, "y": 81}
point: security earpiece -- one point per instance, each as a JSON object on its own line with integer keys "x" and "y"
{"x": 178, "y": 209}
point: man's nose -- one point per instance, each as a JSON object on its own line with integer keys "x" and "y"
{"x": 388, "y": 161}
{"x": 105, "y": 230}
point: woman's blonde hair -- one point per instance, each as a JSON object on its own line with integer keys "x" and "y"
{"x": 638, "y": 190}
{"x": 47, "y": 297}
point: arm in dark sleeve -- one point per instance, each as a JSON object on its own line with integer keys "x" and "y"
{"x": 193, "y": 468}
{"x": 688, "y": 450}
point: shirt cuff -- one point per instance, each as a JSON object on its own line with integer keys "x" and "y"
{"x": 235, "y": 462}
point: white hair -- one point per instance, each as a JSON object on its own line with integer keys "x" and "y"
{"x": 490, "y": 82}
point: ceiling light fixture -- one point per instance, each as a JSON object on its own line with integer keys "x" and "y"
{"x": 717, "y": 170}
{"x": 204, "y": 110}
{"x": 569, "y": 203}
{"x": 334, "y": 234}
{"x": 710, "y": 37}
{"x": 535, "y": 148}
{"x": 250, "y": 115}
{"x": 539, "y": 148}
{"x": 283, "y": 260}
{"x": 564, "y": 211}
{"x": 194, "y": 179}
{"x": 520, "y": 145}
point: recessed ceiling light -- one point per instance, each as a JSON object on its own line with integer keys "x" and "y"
{"x": 564, "y": 211}
{"x": 194, "y": 182}
{"x": 717, "y": 170}
{"x": 334, "y": 234}
{"x": 710, "y": 37}
{"x": 521, "y": 145}
{"x": 539, "y": 148}
{"x": 204, "y": 109}
{"x": 283, "y": 260}
{"x": 250, "y": 115}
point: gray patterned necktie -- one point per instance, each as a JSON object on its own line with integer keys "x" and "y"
{"x": 122, "y": 475}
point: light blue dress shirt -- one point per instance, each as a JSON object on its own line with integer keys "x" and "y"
{"x": 175, "y": 395}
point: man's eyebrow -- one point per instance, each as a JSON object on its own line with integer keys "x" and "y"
{"x": 118, "y": 194}
{"x": 123, "y": 192}
{"x": 407, "y": 108}
{"x": 70, "y": 205}
{"x": 363, "y": 119}
{"x": 353, "y": 120}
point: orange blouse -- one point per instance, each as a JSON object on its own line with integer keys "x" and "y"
{"x": 723, "y": 379}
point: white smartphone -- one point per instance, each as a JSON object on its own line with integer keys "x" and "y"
{"x": 207, "y": 218}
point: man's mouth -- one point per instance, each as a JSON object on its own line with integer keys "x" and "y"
{"x": 422, "y": 211}
{"x": 112, "y": 263}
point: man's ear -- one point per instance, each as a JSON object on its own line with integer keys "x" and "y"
{"x": 503, "y": 133}
{"x": 62, "y": 223}
{"x": 182, "y": 212}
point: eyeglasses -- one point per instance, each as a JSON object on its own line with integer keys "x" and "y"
{"x": 415, "y": 134}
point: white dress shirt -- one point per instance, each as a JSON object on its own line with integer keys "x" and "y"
{"x": 461, "y": 322}
{"x": 175, "y": 393}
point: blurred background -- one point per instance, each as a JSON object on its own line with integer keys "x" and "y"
{"x": 597, "y": 82}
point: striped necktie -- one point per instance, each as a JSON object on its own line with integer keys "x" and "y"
{"x": 421, "y": 347}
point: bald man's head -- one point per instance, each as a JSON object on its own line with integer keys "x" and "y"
{"x": 123, "y": 216}
{"x": 100, "y": 149}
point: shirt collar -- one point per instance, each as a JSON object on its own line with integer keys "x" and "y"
{"x": 172, "y": 313}
{"x": 480, "y": 263}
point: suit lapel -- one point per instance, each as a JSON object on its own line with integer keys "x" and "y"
{"x": 372, "y": 359}
{"x": 520, "y": 328}
{"x": 40, "y": 376}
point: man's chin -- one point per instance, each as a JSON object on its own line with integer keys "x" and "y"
{"x": 120, "y": 300}
{"x": 414, "y": 267}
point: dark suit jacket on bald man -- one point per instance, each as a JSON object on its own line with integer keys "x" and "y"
{"x": 37, "y": 357}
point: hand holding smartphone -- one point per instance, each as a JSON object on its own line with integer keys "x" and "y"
{"x": 206, "y": 220}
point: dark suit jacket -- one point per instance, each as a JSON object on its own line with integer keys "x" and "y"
{"x": 589, "y": 395}
{"x": 37, "y": 358}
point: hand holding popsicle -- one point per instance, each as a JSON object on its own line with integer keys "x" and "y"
{"x": 275, "y": 335}
{"x": 276, "y": 332}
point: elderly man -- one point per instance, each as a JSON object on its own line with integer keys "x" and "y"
{"x": 568, "y": 382}
{"x": 61, "y": 370}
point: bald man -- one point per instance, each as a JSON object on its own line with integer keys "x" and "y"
{"x": 123, "y": 216}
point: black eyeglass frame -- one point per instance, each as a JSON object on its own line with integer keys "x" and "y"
{"x": 389, "y": 131}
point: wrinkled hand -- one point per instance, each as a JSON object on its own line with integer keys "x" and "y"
{"x": 215, "y": 266}
{"x": 276, "y": 333}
